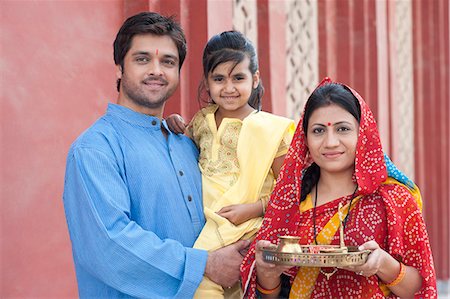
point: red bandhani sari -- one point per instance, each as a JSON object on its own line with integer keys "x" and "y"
{"x": 384, "y": 210}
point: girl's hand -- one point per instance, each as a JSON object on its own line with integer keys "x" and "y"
{"x": 268, "y": 274}
{"x": 176, "y": 123}
{"x": 374, "y": 261}
{"x": 240, "y": 213}
{"x": 236, "y": 214}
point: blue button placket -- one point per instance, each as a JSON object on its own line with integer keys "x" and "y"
{"x": 186, "y": 188}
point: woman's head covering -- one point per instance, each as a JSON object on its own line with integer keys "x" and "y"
{"x": 370, "y": 169}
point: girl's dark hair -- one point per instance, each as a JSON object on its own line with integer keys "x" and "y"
{"x": 325, "y": 95}
{"x": 148, "y": 23}
{"x": 225, "y": 47}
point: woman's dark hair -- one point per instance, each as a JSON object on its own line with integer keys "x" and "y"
{"x": 231, "y": 46}
{"x": 325, "y": 95}
{"x": 147, "y": 23}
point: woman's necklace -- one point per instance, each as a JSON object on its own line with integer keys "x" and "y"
{"x": 329, "y": 274}
{"x": 314, "y": 211}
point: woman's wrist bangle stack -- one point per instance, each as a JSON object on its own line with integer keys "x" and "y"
{"x": 399, "y": 277}
{"x": 267, "y": 291}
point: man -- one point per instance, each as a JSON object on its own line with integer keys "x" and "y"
{"x": 132, "y": 191}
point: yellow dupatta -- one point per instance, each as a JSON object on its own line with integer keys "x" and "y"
{"x": 259, "y": 140}
{"x": 306, "y": 276}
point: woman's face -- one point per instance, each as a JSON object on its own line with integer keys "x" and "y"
{"x": 331, "y": 138}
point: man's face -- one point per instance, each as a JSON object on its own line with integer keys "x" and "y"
{"x": 150, "y": 73}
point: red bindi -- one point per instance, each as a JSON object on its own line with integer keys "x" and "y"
{"x": 329, "y": 124}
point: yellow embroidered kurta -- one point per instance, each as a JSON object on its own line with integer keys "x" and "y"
{"x": 235, "y": 161}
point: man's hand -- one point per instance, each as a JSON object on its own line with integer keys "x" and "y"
{"x": 176, "y": 123}
{"x": 223, "y": 264}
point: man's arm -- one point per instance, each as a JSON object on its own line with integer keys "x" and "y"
{"x": 113, "y": 248}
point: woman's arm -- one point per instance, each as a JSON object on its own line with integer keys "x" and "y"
{"x": 388, "y": 269}
{"x": 268, "y": 276}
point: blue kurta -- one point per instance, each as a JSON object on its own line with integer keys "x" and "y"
{"x": 133, "y": 206}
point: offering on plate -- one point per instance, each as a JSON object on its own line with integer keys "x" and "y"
{"x": 290, "y": 252}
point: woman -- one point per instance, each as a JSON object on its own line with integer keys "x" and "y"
{"x": 336, "y": 159}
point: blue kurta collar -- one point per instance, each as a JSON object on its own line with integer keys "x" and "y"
{"x": 133, "y": 117}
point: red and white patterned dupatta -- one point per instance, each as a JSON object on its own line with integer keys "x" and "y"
{"x": 406, "y": 236}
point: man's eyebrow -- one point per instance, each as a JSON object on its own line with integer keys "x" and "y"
{"x": 140, "y": 53}
{"x": 171, "y": 56}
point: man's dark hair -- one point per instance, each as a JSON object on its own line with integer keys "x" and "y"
{"x": 148, "y": 23}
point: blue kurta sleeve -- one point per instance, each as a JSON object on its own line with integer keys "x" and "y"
{"x": 109, "y": 246}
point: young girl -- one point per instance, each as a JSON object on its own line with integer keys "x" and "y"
{"x": 241, "y": 147}
{"x": 336, "y": 159}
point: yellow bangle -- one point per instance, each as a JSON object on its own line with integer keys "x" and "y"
{"x": 399, "y": 277}
{"x": 264, "y": 201}
{"x": 268, "y": 292}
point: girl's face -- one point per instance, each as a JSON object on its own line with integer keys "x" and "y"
{"x": 230, "y": 88}
{"x": 331, "y": 138}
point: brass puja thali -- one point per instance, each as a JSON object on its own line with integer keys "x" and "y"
{"x": 290, "y": 252}
{"x": 287, "y": 253}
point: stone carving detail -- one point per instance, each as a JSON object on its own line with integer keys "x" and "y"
{"x": 245, "y": 19}
{"x": 403, "y": 89}
{"x": 301, "y": 54}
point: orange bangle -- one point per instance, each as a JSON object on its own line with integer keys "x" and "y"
{"x": 399, "y": 277}
{"x": 266, "y": 291}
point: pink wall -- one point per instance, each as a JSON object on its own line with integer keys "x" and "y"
{"x": 349, "y": 52}
{"x": 57, "y": 75}
{"x": 431, "y": 89}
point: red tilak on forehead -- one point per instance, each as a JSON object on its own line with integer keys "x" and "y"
{"x": 156, "y": 52}
{"x": 329, "y": 124}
